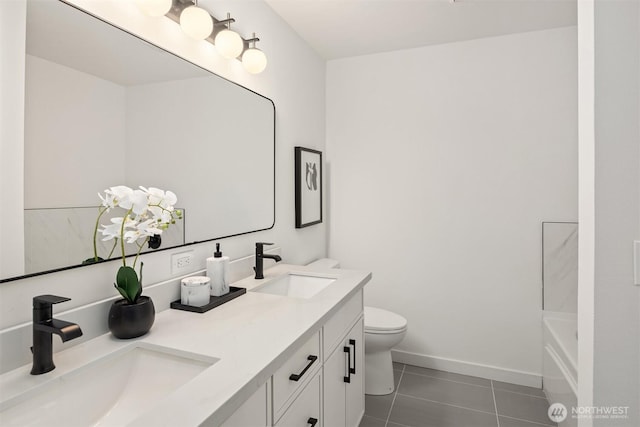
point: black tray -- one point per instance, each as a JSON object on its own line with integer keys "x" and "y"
{"x": 213, "y": 301}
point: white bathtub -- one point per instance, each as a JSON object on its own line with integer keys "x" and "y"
{"x": 560, "y": 363}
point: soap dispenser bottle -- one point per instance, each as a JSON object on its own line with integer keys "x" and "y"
{"x": 218, "y": 272}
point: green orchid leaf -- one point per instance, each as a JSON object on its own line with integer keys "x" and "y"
{"x": 122, "y": 292}
{"x": 128, "y": 283}
{"x": 140, "y": 282}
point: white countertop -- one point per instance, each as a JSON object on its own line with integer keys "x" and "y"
{"x": 252, "y": 336}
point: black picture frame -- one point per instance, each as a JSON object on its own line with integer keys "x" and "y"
{"x": 308, "y": 183}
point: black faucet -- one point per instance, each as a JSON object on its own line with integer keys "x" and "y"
{"x": 44, "y": 325}
{"x": 260, "y": 255}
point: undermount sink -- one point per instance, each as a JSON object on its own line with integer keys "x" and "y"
{"x": 295, "y": 285}
{"x": 112, "y": 390}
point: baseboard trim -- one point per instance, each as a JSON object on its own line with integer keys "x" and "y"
{"x": 468, "y": 368}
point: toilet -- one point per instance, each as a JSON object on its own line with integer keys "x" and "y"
{"x": 382, "y": 331}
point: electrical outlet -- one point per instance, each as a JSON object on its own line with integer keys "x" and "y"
{"x": 181, "y": 262}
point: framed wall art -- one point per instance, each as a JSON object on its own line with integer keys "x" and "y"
{"x": 308, "y": 171}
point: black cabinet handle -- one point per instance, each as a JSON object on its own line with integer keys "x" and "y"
{"x": 312, "y": 421}
{"x": 352, "y": 370}
{"x": 347, "y": 350}
{"x": 296, "y": 377}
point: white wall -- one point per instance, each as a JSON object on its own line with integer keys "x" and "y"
{"x": 617, "y": 208}
{"x": 294, "y": 80}
{"x": 586, "y": 211}
{"x": 12, "y": 53}
{"x": 89, "y": 112}
{"x": 443, "y": 163}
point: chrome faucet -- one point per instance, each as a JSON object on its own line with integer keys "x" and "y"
{"x": 260, "y": 256}
{"x": 44, "y": 325}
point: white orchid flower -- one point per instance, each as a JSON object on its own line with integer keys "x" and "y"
{"x": 155, "y": 194}
{"x": 161, "y": 198}
{"x": 167, "y": 217}
{"x": 107, "y": 201}
{"x": 156, "y": 213}
{"x": 135, "y": 200}
{"x": 141, "y": 229}
{"x": 169, "y": 201}
{"x": 139, "y": 202}
{"x": 113, "y": 230}
{"x": 119, "y": 195}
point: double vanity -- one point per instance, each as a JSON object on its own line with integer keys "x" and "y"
{"x": 288, "y": 352}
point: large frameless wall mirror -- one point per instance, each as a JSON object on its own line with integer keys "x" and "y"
{"x": 105, "y": 108}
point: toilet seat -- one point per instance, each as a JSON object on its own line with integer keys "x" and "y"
{"x": 379, "y": 321}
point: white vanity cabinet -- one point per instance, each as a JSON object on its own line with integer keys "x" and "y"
{"x": 321, "y": 384}
{"x": 344, "y": 380}
{"x": 344, "y": 365}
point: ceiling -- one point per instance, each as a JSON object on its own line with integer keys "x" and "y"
{"x": 65, "y": 35}
{"x": 344, "y": 28}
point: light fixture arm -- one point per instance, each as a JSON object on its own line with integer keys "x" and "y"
{"x": 227, "y": 22}
{"x": 253, "y": 40}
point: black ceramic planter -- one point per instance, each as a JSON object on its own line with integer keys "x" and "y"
{"x": 131, "y": 320}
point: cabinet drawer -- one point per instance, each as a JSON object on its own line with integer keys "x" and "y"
{"x": 305, "y": 410}
{"x": 337, "y": 326}
{"x": 300, "y": 367}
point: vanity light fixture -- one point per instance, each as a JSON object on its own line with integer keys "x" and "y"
{"x": 155, "y": 8}
{"x": 196, "y": 22}
{"x": 253, "y": 59}
{"x": 228, "y": 42}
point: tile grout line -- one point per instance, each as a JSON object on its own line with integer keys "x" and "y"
{"x": 473, "y": 384}
{"x": 495, "y": 404}
{"x": 522, "y": 394}
{"x": 528, "y": 421}
{"x": 476, "y": 385}
{"x": 394, "y": 396}
{"x": 447, "y": 379}
{"x": 445, "y": 404}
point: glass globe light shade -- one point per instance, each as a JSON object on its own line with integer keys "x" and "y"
{"x": 154, "y": 8}
{"x": 229, "y": 44}
{"x": 196, "y": 22}
{"x": 254, "y": 60}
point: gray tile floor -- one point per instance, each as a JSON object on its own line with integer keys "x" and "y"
{"x": 430, "y": 398}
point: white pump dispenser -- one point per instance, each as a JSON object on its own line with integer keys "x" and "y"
{"x": 218, "y": 272}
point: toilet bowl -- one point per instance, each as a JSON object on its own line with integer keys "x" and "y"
{"x": 382, "y": 330}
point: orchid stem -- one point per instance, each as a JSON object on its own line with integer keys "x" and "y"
{"x": 124, "y": 221}
{"x": 113, "y": 248}
{"x": 140, "y": 246}
{"x": 95, "y": 233}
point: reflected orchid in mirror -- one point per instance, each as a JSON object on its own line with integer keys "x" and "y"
{"x": 148, "y": 212}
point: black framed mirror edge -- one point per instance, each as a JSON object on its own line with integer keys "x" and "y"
{"x": 72, "y": 267}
